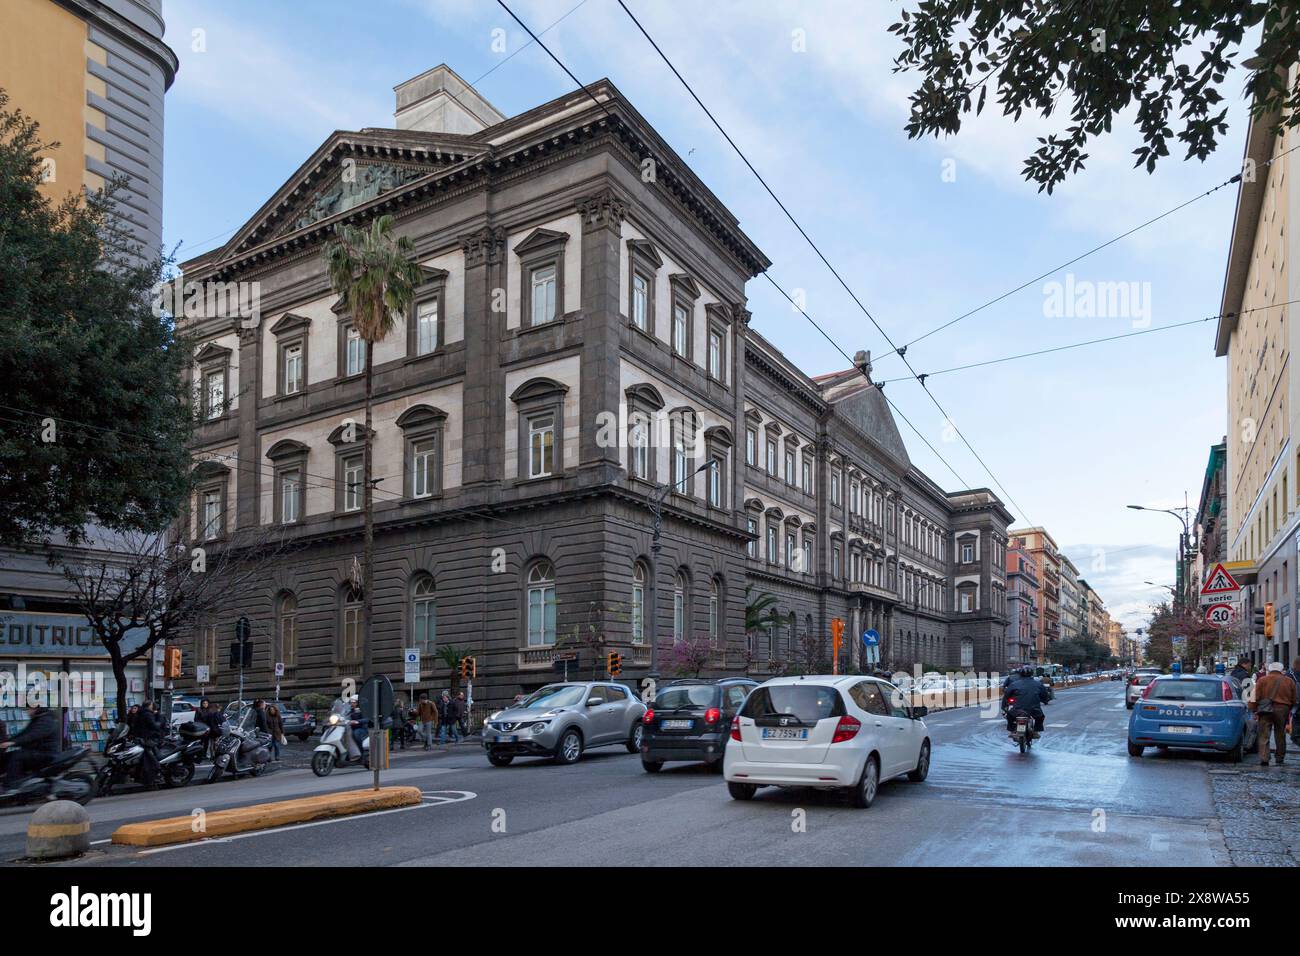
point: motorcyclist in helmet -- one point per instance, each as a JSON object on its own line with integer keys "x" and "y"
{"x": 1029, "y": 696}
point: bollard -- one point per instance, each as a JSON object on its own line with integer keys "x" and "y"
{"x": 57, "y": 830}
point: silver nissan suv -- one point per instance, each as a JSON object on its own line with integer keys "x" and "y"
{"x": 560, "y": 721}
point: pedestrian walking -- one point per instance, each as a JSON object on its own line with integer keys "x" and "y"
{"x": 427, "y": 712}
{"x": 275, "y": 727}
{"x": 210, "y": 716}
{"x": 446, "y": 718}
{"x": 1275, "y": 695}
{"x": 259, "y": 716}
{"x": 1241, "y": 672}
{"x": 398, "y": 730}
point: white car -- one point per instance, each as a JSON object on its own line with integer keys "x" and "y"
{"x": 825, "y": 732}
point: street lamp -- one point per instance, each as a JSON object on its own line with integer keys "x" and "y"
{"x": 1168, "y": 587}
{"x": 1183, "y": 543}
{"x": 656, "y": 508}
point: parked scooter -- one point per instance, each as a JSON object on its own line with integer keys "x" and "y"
{"x": 337, "y": 747}
{"x": 68, "y": 777}
{"x": 240, "y": 751}
{"x": 122, "y": 756}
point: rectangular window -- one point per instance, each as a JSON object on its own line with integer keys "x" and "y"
{"x": 771, "y": 545}
{"x": 293, "y": 369}
{"x": 638, "y": 613}
{"x": 212, "y": 514}
{"x": 426, "y": 327}
{"x": 835, "y": 562}
{"x": 640, "y": 302}
{"x": 290, "y": 496}
{"x": 424, "y": 459}
{"x": 967, "y": 601}
{"x": 216, "y": 394}
{"x": 751, "y": 446}
{"x": 967, "y": 553}
{"x": 356, "y": 352}
{"x": 541, "y": 446}
{"x": 789, "y": 467}
{"x": 807, "y": 557}
{"x": 791, "y": 554}
{"x": 715, "y": 483}
{"x": 542, "y": 281}
{"x": 807, "y": 476}
{"x": 541, "y": 615}
{"x": 771, "y": 457}
{"x": 681, "y": 326}
{"x": 751, "y": 524}
{"x": 715, "y": 354}
{"x": 353, "y": 479}
{"x": 835, "y": 488}
{"x": 680, "y": 462}
{"x": 351, "y": 632}
{"x": 640, "y": 459}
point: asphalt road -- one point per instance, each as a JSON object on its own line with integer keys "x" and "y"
{"x": 1077, "y": 799}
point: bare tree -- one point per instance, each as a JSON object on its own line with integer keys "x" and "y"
{"x": 152, "y": 586}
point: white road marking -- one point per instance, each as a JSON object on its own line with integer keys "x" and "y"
{"x": 1066, "y": 724}
{"x": 430, "y": 798}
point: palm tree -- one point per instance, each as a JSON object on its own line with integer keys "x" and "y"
{"x": 760, "y": 612}
{"x": 375, "y": 274}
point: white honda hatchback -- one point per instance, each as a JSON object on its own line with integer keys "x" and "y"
{"x": 825, "y": 732}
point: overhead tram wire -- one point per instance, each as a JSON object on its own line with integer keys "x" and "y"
{"x": 1108, "y": 338}
{"x": 901, "y": 352}
{"x": 605, "y": 110}
{"x": 1095, "y": 249}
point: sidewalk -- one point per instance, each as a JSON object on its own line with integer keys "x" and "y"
{"x": 297, "y": 754}
{"x": 1259, "y": 808}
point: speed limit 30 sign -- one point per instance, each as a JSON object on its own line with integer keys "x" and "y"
{"x": 1220, "y": 615}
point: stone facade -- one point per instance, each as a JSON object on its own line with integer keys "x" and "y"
{"x": 580, "y": 348}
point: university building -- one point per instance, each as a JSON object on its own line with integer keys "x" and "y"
{"x": 579, "y": 350}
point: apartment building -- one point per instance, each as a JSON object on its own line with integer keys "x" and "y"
{"x": 1023, "y": 622}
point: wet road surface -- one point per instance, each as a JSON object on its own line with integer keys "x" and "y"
{"x": 1076, "y": 799}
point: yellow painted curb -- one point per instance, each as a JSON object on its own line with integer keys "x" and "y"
{"x": 57, "y": 829}
{"x": 263, "y": 816}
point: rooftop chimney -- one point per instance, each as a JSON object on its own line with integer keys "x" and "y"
{"x": 439, "y": 101}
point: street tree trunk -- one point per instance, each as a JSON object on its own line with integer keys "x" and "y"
{"x": 368, "y": 549}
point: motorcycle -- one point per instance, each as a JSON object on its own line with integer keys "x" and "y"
{"x": 67, "y": 777}
{"x": 181, "y": 754}
{"x": 1023, "y": 732}
{"x": 240, "y": 751}
{"x": 178, "y": 758}
{"x": 337, "y": 747}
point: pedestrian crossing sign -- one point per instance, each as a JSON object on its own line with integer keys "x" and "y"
{"x": 1219, "y": 586}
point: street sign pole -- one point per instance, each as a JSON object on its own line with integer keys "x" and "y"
{"x": 374, "y": 736}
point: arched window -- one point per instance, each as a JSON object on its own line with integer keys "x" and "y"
{"x": 351, "y": 627}
{"x": 286, "y": 626}
{"x": 424, "y": 614}
{"x": 715, "y": 593}
{"x": 638, "y": 603}
{"x": 541, "y": 604}
{"x": 680, "y": 589}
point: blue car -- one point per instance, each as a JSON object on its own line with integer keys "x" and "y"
{"x": 1191, "y": 712}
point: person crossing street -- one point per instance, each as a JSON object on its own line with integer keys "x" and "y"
{"x": 1274, "y": 696}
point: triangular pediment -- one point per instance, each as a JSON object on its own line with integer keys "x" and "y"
{"x": 349, "y": 170}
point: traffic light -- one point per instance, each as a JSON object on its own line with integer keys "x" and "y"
{"x": 172, "y": 663}
{"x": 243, "y": 630}
{"x": 837, "y": 629}
{"x": 469, "y": 667}
{"x": 1268, "y": 620}
{"x": 1257, "y": 622}
{"x": 614, "y": 663}
{"x": 236, "y": 655}
{"x": 464, "y": 667}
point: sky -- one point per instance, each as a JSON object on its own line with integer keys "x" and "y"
{"x": 921, "y": 230}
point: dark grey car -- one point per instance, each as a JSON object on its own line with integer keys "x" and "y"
{"x": 560, "y": 721}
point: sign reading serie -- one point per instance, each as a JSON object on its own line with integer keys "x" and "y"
{"x": 56, "y": 635}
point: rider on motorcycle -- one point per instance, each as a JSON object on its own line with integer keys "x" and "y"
{"x": 40, "y": 741}
{"x": 1029, "y": 696}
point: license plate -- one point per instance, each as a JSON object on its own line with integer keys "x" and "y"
{"x": 506, "y": 740}
{"x": 676, "y": 724}
{"x": 1178, "y": 730}
{"x": 784, "y": 733}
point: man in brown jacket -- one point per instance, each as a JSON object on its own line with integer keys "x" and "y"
{"x": 427, "y": 712}
{"x": 1275, "y": 695}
